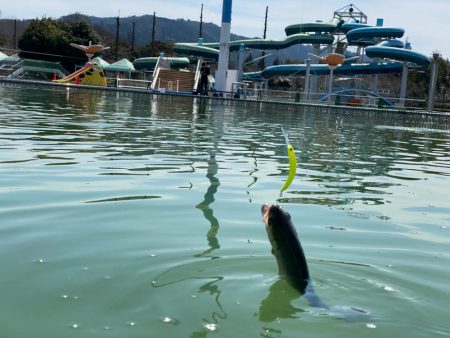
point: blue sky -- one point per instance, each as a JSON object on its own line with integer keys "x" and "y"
{"x": 427, "y": 23}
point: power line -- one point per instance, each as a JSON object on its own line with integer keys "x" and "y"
{"x": 39, "y": 53}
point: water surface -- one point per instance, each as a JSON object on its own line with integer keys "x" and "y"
{"x": 139, "y": 216}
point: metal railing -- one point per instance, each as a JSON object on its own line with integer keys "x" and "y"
{"x": 129, "y": 83}
{"x": 168, "y": 85}
{"x": 197, "y": 74}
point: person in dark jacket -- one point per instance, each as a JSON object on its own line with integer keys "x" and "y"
{"x": 204, "y": 73}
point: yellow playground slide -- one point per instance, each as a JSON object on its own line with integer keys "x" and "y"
{"x": 91, "y": 74}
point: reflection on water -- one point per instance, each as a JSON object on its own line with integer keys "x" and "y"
{"x": 211, "y": 324}
{"x": 128, "y": 186}
{"x": 212, "y": 170}
{"x": 278, "y": 303}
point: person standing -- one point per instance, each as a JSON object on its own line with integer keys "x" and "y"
{"x": 204, "y": 73}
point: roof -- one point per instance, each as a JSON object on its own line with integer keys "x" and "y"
{"x": 98, "y": 60}
{"x": 10, "y": 59}
{"x": 120, "y": 66}
{"x": 43, "y": 66}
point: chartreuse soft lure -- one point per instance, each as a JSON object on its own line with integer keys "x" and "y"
{"x": 292, "y": 163}
{"x": 292, "y": 167}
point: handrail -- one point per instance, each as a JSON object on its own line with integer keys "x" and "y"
{"x": 197, "y": 74}
{"x": 155, "y": 78}
{"x": 160, "y": 64}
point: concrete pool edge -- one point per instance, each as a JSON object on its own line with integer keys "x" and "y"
{"x": 6, "y": 82}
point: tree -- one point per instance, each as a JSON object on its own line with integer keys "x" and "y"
{"x": 154, "y": 49}
{"x": 2, "y": 39}
{"x": 49, "y": 40}
{"x": 421, "y": 79}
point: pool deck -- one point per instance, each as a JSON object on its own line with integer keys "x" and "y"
{"x": 7, "y": 82}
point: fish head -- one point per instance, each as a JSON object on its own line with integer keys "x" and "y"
{"x": 285, "y": 244}
{"x": 278, "y": 226}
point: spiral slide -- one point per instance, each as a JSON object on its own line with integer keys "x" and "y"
{"x": 381, "y": 45}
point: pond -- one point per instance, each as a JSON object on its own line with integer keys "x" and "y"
{"x": 132, "y": 215}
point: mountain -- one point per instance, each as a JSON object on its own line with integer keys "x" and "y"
{"x": 174, "y": 30}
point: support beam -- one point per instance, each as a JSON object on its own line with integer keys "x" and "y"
{"x": 307, "y": 78}
{"x": 330, "y": 84}
{"x": 314, "y": 78}
{"x": 433, "y": 81}
{"x": 241, "y": 61}
{"x": 224, "y": 51}
{"x": 403, "y": 85}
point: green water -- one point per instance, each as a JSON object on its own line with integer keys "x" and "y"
{"x": 139, "y": 216}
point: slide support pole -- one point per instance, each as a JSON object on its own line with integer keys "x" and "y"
{"x": 404, "y": 84}
{"x": 433, "y": 81}
{"x": 307, "y": 78}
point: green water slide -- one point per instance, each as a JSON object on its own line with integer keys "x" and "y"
{"x": 294, "y": 39}
{"x": 211, "y": 49}
{"x": 318, "y": 27}
{"x": 150, "y": 62}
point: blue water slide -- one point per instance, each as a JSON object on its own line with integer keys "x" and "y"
{"x": 400, "y": 54}
{"x": 368, "y": 35}
{"x": 392, "y": 43}
{"x": 313, "y": 27}
{"x": 388, "y": 49}
{"x": 150, "y": 62}
{"x": 348, "y": 26}
{"x": 321, "y": 69}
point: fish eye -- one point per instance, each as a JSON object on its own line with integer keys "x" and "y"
{"x": 270, "y": 222}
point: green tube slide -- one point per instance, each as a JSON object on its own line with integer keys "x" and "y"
{"x": 210, "y": 50}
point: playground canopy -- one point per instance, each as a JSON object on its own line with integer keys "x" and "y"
{"x": 120, "y": 66}
{"x": 13, "y": 59}
{"x": 98, "y": 60}
{"x": 36, "y": 69}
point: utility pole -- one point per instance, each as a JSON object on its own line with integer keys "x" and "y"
{"x": 117, "y": 37}
{"x": 153, "y": 29}
{"x": 201, "y": 23}
{"x": 265, "y": 23}
{"x": 132, "y": 37}
{"x": 15, "y": 34}
{"x": 262, "y": 63}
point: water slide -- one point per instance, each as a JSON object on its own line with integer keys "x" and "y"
{"x": 211, "y": 50}
{"x": 91, "y": 74}
{"x": 314, "y": 27}
{"x": 150, "y": 62}
{"x": 322, "y": 69}
{"x": 387, "y": 51}
{"x": 379, "y": 43}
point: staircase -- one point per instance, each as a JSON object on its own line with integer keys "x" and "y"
{"x": 175, "y": 80}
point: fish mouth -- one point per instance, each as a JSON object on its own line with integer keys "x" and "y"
{"x": 265, "y": 212}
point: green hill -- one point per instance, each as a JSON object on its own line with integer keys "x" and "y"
{"x": 173, "y": 30}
